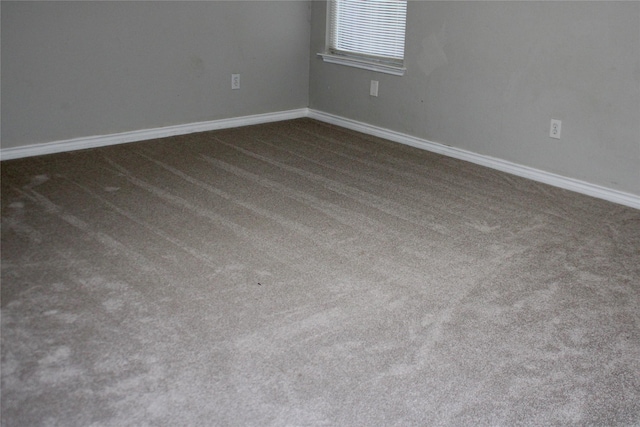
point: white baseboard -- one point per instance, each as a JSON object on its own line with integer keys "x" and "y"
{"x": 146, "y": 134}
{"x": 555, "y": 180}
{"x": 578, "y": 186}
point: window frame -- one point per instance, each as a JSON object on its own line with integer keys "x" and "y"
{"x": 360, "y": 60}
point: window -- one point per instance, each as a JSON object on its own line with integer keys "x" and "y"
{"x": 367, "y": 34}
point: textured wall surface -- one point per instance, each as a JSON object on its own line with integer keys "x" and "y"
{"x": 489, "y": 76}
{"x": 486, "y": 77}
{"x": 75, "y": 69}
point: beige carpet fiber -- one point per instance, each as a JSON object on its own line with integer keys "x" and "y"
{"x": 301, "y": 274}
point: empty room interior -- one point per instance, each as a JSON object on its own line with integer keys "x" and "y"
{"x": 229, "y": 213}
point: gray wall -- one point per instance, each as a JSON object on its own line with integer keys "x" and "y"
{"x": 488, "y": 76}
{"x": 74, "y": 69}
{"x": 482, "y": 76}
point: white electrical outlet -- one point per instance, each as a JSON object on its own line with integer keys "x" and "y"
{"x": 373, "y": 89}
{"x": 235, "y": 81}
{"x": 556, "y": 128}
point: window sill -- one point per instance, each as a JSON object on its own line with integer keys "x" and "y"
{"x": 364, "y": 64}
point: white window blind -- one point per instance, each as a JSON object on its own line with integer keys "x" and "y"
{"x": 370, "y": 29}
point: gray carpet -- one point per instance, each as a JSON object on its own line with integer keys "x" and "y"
{"x": 301, "y": 274}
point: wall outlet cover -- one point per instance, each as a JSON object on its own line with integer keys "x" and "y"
{"x": 555, "y": 129}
